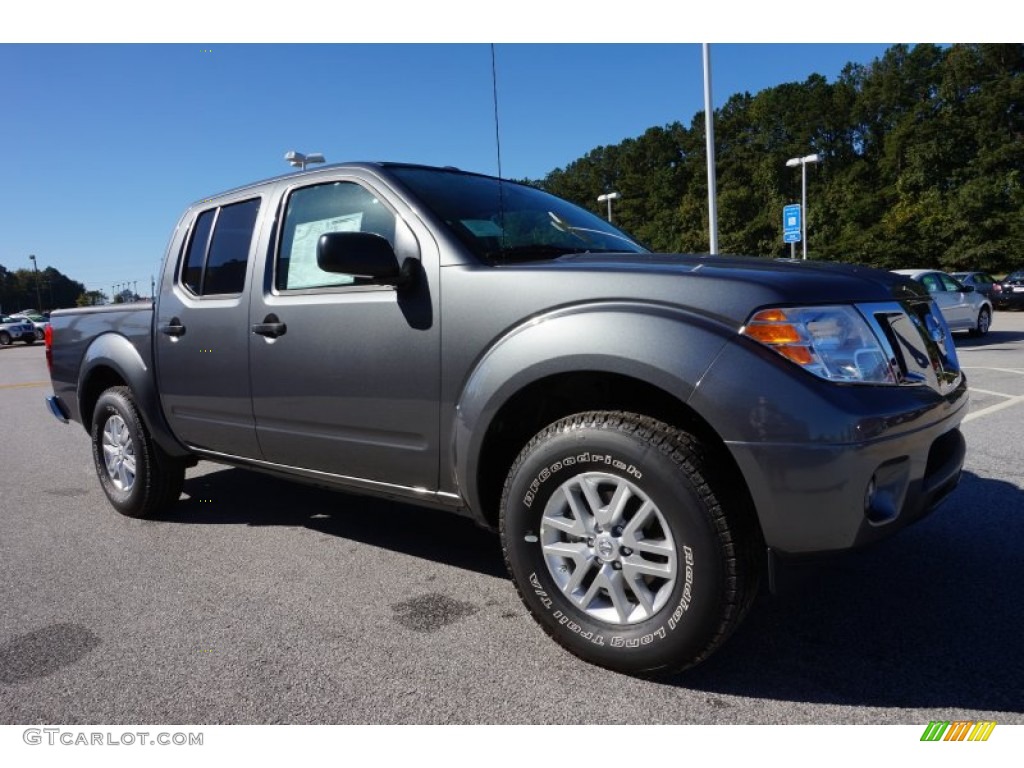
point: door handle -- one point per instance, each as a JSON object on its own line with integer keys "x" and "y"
{"x": 271, "y": 327}
{"x": 173, "y": 328}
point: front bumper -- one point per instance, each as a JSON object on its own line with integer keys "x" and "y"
{"x": 833, "y": 466}
{"x": 817, "y": 498}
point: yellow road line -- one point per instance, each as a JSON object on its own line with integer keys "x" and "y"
{"x": 25, "y": 384}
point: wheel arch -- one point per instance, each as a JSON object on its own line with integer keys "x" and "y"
{"x": 111, "y": 360}
{"x": 646, "y": 362}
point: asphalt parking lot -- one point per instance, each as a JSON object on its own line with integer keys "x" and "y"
{"x": 260, "y": 601}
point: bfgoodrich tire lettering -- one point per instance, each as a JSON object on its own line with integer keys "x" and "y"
{"x": 139, "y": 479}
{"x": 619, "y": 545}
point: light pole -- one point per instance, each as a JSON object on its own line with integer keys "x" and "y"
{"x": 793, "y": 162}
{"x": 608, "y": 198}
{"x": 39, "y": 299}
{"x": 300, "y": 161}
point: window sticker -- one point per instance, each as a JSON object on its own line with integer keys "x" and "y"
{"x": 482, "y": 227}
{"x": 303, "y": 271}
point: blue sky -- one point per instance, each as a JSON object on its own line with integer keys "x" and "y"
{"x": 106, "y": 144}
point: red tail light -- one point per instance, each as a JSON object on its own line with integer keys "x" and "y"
{"x": 48, "y": 339}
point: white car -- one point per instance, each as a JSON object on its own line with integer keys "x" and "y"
{"x": 38, "y": 322}
{"x": 964, "y": 308}
{"x": 16, "y": 329}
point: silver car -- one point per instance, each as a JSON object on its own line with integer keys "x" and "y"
{"x": 963, "y": 307}
{"x": 16, "y": 329}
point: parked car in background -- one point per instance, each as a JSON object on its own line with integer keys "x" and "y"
{"x": 16, "y": 329}
{"x": 982, "y": 282}
{"x": 1009, "y": 292}
{"x": 963, "y": 307}
{"x": 38, "y": 322}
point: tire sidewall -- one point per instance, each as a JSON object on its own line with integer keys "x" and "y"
{"x": 680, "y": 631}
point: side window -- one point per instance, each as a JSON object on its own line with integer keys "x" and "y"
{"x": 192, "y": 271}
{"x": 218, "y": 250}
{"x": 949, "y": 284}
{"x": 337, "y": 207}
{"x": 931, "y": 282}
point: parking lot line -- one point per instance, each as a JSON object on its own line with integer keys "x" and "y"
{"x": 24, "y": 384}
{"x": 990, "y": 392}
{"x": 1018, "y": 371}
{"x": 993, "y": 408}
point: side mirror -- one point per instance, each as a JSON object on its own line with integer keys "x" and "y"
{"x": 363, "y": 255}
{"x": 969, "y": 289}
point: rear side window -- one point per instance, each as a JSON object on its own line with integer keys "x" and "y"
{"x": 932, "y": 283}
{"x": 218, "y": 249}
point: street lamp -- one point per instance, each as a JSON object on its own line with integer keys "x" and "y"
{"x": 39, "y": 300}
{"x": 608, "y": 198}
{"x": 793, "y": 162}
{"x": 299, "y": 160}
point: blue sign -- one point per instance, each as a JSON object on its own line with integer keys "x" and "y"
{"x": 791, "y": 224}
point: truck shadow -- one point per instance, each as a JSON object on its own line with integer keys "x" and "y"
{"x": 928, "y": 619}
{"x": 238, "y": 497}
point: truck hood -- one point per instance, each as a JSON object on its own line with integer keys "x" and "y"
{"x": 732, "y": 286}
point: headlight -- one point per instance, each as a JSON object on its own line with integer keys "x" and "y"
{"x": 834, "y": 343}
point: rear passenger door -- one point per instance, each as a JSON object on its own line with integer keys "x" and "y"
{"x": 201, "y": 337}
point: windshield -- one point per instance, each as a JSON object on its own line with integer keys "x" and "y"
{"x": 1019, "y": 275}
{"x": 504, "y": 222}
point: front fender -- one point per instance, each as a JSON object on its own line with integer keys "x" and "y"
{"x": 662, "y": 345}
{"x": 113, "y": 352}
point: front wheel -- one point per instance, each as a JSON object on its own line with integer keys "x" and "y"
{"x": 139, "y": 479}
{"x": 984, "y": 322}
{"x": 5, "y": 338}
{"x": 619, "y": 543}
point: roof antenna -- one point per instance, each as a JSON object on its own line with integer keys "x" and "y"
{"x": 497, "y": 142}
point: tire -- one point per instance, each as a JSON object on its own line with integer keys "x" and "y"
{"x": 40, "y": 335}
{"x": 140, "y": 480}
{"x": 600, "y": 501}
{"x": 984, "y": 323}
{"x": 29, "y": 341}
{"x": 5, "y": 338}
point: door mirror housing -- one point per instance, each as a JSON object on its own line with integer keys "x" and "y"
{"x": 364, "y": 255}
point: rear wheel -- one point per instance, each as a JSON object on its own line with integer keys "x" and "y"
{"x": 139, "y": 478}
{"x": 619, "y": 543}
{"x": 5, "y": 338}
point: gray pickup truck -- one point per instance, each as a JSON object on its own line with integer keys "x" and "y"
{"x": 645, "y": 431}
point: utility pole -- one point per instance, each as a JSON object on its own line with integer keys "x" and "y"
{"x": 39, "y": 298}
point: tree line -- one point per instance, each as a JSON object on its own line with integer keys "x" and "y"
{"x": 46, "y": 289}
{"x": 923, "y": 155}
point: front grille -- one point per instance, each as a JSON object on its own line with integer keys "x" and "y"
{"x": 919, "y": 343}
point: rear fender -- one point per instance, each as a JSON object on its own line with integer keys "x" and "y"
{"x": 113, "y": 353}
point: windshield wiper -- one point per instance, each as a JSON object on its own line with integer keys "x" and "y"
{"x": 531, "y": 252}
